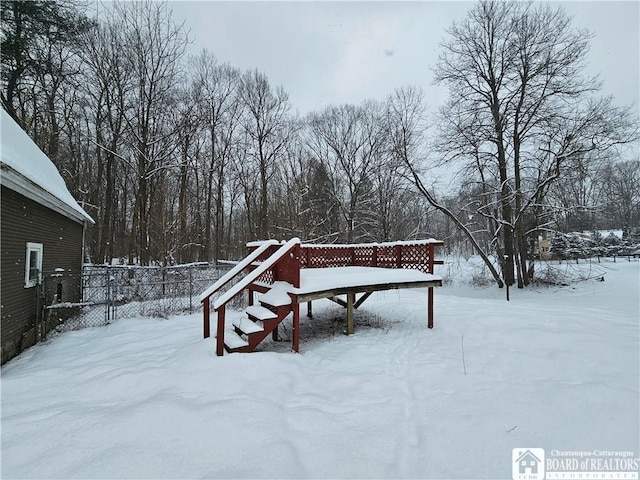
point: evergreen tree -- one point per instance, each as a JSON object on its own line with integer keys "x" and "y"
{"x": 30, "y": 26}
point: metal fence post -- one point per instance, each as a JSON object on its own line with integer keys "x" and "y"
{"x": 107, "y": 303}
{"x": 111, "y": 293}
{"x": 190, "y": 288}
{"x": 114, "y": 298}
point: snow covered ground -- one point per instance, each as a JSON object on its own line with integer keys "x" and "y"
{"x": 555, "y": 368}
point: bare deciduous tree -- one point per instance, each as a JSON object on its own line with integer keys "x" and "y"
{"x": 405, "y": 126}
{"x": 155, "y": 47}
{"x": 349, "y": 140}
{"x": 515, "y": 76}
{"x": 216, "y": 92}
{"x": 268, "y": 129}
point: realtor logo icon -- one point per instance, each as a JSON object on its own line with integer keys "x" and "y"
{"x": 527, "y": 463}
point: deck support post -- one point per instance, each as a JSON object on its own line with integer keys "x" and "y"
{"x": 220, "y": 332}
{"x": 309, "y": 310}
{"x": 296, "y": 325}
{"x": 430, "y": 307}
{"x": 206, "y": 309}
{"x": 350, "y": 301}
{"x": 432, "y": 257}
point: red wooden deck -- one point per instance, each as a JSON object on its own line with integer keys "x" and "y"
{"x": 272, "y": 264}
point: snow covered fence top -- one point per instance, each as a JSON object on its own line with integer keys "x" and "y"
{"x": 28, "y": 171}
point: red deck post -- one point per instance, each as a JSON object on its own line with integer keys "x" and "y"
{"x": 296, "y": 325}
{"x": 398, "y": 256}
{"x": 430, "y": 289}
{"x": 375, "y": 256}
{"x": 296, "y": 265}
{"x": 220, "y": 334}
{"x": 431, "y": 257}
{"x": 430, "y": 307}
{"x": 207, "y": 317}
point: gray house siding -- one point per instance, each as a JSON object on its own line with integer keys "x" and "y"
{"x": 23, "y": 220}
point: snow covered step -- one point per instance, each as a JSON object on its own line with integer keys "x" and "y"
{"x": 247, "y": 326}
{"x": 278, "y": 295}
{"x": 259, "y": 312}
{"x": 232, "y": 340}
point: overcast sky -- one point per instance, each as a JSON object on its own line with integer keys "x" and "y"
{"x": 326, "y": 53}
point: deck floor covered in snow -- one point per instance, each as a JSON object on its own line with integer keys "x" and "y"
{"x": 318, "y": 283}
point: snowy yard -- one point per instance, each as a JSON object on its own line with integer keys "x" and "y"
{"x": 147, "y": 398}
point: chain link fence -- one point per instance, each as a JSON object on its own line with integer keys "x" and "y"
{"x": 100, "y": 294}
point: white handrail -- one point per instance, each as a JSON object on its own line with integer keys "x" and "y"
{"x": 222, "y": 281}
{"x": 264, "y": 266}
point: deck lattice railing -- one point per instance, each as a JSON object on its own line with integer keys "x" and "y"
{"x": 419, "y": 255}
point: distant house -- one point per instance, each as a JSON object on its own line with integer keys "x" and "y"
{"x": 544, "y": 248}
{"x": 41, "y": 230}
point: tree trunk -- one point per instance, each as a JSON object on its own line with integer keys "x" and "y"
{"x": 219, "y": 213}
{"x": 505, "y": 202}
{"x": 183, "y": 254}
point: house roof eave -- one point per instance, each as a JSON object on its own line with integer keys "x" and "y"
{"x": 22, "y": 185}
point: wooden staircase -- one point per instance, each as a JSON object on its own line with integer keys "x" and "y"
{"x": 260, "y": 320}
{"x": 273, "y": 270}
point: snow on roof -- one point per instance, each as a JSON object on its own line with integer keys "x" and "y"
{"x": 27, "y": 170}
